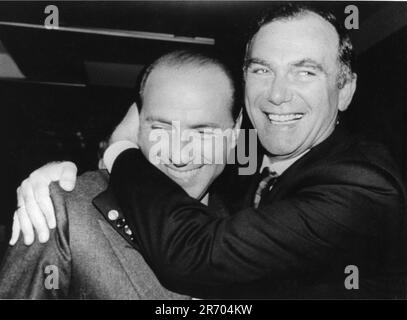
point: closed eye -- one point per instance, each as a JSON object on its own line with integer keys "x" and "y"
{"x": 258, "y": 69}
{"x": 206, "y": 133}
{"x": 306, "y": 73}
{"x": 160, "y": 127}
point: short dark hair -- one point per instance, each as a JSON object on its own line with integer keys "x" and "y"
{"x": 189, "y": 57}
{"x": 346, "y": 55}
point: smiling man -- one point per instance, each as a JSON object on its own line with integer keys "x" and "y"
{"x": 298, "y": 76}
{"x": 338, "y": 200}
{"x": 323, "y": 202}
{"x": 193, "y": 121}
{"x": 88, "y": 253}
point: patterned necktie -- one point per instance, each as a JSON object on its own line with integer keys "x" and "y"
{"x": 268, "y": 178}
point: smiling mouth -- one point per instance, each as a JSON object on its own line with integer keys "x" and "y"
{"x": 183, "y": 174}
{"x": 287, "y": 118}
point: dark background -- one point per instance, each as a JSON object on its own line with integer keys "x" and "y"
{"x": 74, "y": 87}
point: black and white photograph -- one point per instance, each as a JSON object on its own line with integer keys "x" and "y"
{"x": 203, "y": 150}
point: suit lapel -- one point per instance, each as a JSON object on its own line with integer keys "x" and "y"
{"x": 217, "y": 206}
{"x": 128, "y": 257}
{"x": 304, "y": 165}
{"x": 140, "y": 275}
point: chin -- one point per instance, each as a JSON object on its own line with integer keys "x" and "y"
{"x": 196, "y": 194}
{"x": 279, "y": 149}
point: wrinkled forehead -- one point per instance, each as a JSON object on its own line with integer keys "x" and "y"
{"x": 183, "y": 72}
{"x": 188, "y": 85}
{"x": 306, "y": 36}
{"x": 192, "y": 95}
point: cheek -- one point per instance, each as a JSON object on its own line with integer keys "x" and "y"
{"x": 207, "y": 152}
{"x": 326, "y": 106}
{"x": 143, "y": 142}
{"x": 253, "y": 91}
{"x": 316, "y": 98}
{"x": 212, "y": 150}
{"x": 260, "y": 87}
{"x": 334, "y": 99}
{"x": 321, "y": 104}
{"x": 210, "y": 173}
{"x": 154, "y": 145}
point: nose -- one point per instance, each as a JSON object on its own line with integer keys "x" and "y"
{"x": 279, "y": 91}
{"x": 180, "y": 154}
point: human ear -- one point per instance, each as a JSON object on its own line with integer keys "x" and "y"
{"x": 236, "y": 129}
{"x": 346, "y": 93}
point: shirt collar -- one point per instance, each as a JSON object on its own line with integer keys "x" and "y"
{"x": 279, "y": 166}
{"x": 205, "y": 199}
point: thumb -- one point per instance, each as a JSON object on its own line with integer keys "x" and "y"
{"x": 68, "y": 176}
{"x": 15, "y": 230}
{"x": 128, "y": 128}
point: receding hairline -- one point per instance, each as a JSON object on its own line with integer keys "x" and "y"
{"x": 344, "y": 48}
{"x": 192, "y": 67}
{"x": 300, "y": 15}
{"x": 182, "y": 67}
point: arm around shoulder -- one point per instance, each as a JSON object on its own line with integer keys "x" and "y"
{"x": 39, "y": 271}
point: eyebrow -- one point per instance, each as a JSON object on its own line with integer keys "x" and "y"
{"x": 250, "y": 61}
{"x": 197, "y": 126}
{"x": 205, "y": 125}
{"x": 309, "y": 63}
{"x": 301, "y": 63}
{"x": 158, "y": 119}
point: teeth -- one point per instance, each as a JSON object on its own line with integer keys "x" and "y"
{"x": 284, "y": 117}
{"x": 184, "y": 175}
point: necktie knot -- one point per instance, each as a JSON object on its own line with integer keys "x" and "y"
{"x": 268, "y": 178}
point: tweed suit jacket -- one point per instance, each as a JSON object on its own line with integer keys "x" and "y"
{"x": 87, "y": 256}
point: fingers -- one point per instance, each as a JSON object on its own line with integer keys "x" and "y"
{"x": 36, "y": 210}
{"x": 68, "y": 176}
{"x": 31, "y": 211}
{"x": 15, "y": 231}
{"x": 101, "y": 164}
{"x": 128, "y": 128}
{"x": 42, "y": 197}
{"x": 25, "y": 223}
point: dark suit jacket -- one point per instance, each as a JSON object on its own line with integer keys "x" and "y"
{"x": 92, "y": 256}
{"x": 343, "y": 203}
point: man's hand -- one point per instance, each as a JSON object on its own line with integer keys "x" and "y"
{"x": 128, "y": 128}
{"x": 35, "y": 209}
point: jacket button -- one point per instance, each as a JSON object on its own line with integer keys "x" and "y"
{"x": 120, "y": 223}
{"x": 113, "y": 215}
{"x": 127, "y": 230}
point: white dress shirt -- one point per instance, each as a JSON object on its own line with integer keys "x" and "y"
{"x": 279, "y": 166}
